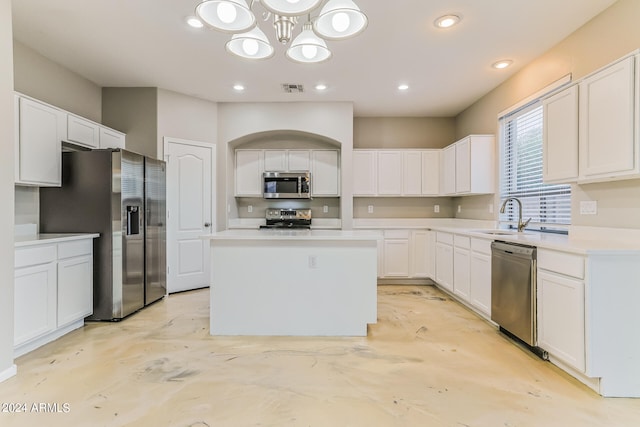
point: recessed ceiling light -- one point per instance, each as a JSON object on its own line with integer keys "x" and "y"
{"x": 403, "y": 87}
{"x": 238, "y": 87}
{"x": 502, "y": 64}
{"x": 447, "y": 21}
{"x": 194, "y": 22}
{"x": 321, "y": 86}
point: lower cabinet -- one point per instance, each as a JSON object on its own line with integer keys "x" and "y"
{"x": 396, "y": 253}
{"x": 419, "y": 267}
{"x": 53, "y": 291}
{"x": 444, "y": 260}
{"x": 462, "y": 267}
{"x": 480, "y": 272}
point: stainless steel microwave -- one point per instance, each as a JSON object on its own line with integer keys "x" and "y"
{"x": 286, "y": 185}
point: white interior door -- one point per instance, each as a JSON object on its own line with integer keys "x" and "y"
{"x": 190, "y": 199}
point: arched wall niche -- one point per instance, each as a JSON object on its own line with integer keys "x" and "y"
{"x": 284, "y": 139}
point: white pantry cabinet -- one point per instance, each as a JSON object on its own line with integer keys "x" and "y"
{"x": 560, "y": 137}
{"x": 53, "y": 291}
{"x": 39, "y": 131}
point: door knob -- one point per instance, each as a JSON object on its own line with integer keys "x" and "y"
{"x": 207, "y": 224}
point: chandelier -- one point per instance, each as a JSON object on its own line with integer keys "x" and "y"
{"x": 337, "y": 20}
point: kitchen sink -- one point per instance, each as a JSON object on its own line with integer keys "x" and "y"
{"x": 500, "y": 232}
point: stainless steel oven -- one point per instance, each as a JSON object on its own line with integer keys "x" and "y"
{"x": 286, "y": 185}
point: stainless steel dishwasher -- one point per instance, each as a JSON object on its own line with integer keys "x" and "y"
{"x": 513, "y": 291}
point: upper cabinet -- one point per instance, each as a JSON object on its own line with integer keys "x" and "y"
{"x": 394, "y": 173}
{"x": 325, "y": 176}
{"x": 591, "y": 129}
{"x": 468, "y": 166}
{"x": 249, "y": 168}
{"x": 39, "y": 131}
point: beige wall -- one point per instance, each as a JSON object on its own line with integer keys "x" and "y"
{"x": 51, "y": 82}
{"x": 133, "y": 111}
{"x": 402, "y": 207}
{"x": 403, "y": 132}
{"x": 610, "y": 35}
{"x": 6, "y": 192}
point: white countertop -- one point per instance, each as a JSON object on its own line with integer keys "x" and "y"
{"x": 45, "y": 238}
{"x": 275, "y": 234}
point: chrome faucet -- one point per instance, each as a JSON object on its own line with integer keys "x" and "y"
{"x": 521, "y": 225}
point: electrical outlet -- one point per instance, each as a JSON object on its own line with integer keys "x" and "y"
{"x": 436, "y": 208}
{"x": 588, "y": 207}
{"x": 459, "y": 208}
{"x": 313, "y": 261}
{"x": 370, "y": 208}
{"x": 325, "y": 209}
{"x": 250, "y": 208}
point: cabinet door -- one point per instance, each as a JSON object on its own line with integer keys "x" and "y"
{"x": 480, "y": 281}
{"x": 75, "y": 289}
{"x": 299, "y": 160}
{"x": 419, "y": 253}
{"x": 431, "y": 172}
{"x": 412, "y": 173}
{"x": 249, "y": 167}
{"x": 444, "y": 265}
{"x": 364, "y": 173}
{"x": 431, "y": 255}
{"x": 463, "y": 166}
{"x": 83, "y": 132}
{"x": 110, "y": 138}
{"x": 325, "y": 175}
{"x": 396, "y": 257}
{"x": 462, "y": 273}
{"x": 448, "y": 170}
{"x": 560, "y": 137}
{"x": 389, "y": 173}
{"x": 275, "y": 160}
{"x": 41, "y": 131}
{"x": 561, "y": 326}
{"x": 607, "y": 118}
{"x": 34, "y": 302}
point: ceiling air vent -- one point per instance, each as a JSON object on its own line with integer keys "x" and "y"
{"x": 292, "y": 88}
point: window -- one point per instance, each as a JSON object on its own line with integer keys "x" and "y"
{"x": 548, "y": 205}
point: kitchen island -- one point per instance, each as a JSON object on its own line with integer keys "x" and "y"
{"x": 293, "y": 282}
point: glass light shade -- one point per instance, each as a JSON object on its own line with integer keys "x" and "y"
{"x": 290, "y": 7}
{"x": 340, "y": 19}
{"x": 230, "y": 16}
{"x": 251, "y": 45}
{"x": 308, "y": 48}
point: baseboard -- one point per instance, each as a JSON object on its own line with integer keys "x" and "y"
{"x": 405, "y": 281}
{"x": 8, "y": 373}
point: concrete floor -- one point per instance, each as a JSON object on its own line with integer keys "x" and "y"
{"x": 427, "y": 362}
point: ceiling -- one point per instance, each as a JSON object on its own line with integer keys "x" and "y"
{"x": 146, "y": 43}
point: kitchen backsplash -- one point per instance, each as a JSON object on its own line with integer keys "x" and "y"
{"x": 403, "y": 207}
{"x": 27, "y": 205}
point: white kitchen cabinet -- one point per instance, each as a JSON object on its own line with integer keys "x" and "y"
{"x": 300, "y": 160}
{"x": 249, "y": 167}
{"x": 40, "y": 130}
{"x": 110, "y": 138}
{"x": 35, "y": 299}
{"x": 431, "y": 255}
{"x": 462, "y": 267}
{"x": 480, "y": 280}
{"x": 412, "y": 173}
{"x": 325, "y": 173}
{"x": 463, "y": 166}
{"x": 560, "y": 137}
{"x": 444, "y": 260}
{"x": 608, "y": 121}
{"x": 475, "y": 166}
{"x": 365, "y": 172}
{"x": 83, "y": 132}
{"x": 389, "y": 173}
{"x": 275, "y": 160}
{"x": 396, "y": 253}
{"x": 448, "y": 170}
{"x": 419, "y": 254}
{"x": 430, "y": 172}
{"x": 75, "y": 276}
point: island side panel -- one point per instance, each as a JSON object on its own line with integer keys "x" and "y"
{"x": 291, "y": 287}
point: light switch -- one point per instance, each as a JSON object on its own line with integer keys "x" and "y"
{"x": 588, "y": 207}
{"x": 459, "y": 208}
{"x": 325, "y": 209}
{"x": 436, "y": 208}
{"x": 370, "y": 208}
{"x": 250, "y": 208}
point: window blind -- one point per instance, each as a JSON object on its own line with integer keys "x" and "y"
{"x": 548, "y": 205}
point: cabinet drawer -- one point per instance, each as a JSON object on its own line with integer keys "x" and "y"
{"x": 396, "y": 234}
{"x": 561, "y": 262}
{"x": 34, "y": 255}
{"x": 444, "y": 238}
{"x": 75, "y": 248}
{"x": 482, "y": 246}
{"x": 462, "y": 241}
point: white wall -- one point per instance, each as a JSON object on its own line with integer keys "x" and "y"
{"x": 7, "y": 368}
{"x": 333, "y": 120}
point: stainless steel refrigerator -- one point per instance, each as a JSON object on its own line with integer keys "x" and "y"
{"x": 103, "y": 191}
